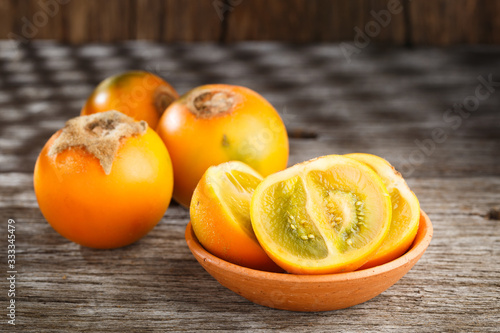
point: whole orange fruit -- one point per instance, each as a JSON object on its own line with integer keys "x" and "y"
{"x": 217, "y": 123}
{"x": 138, "y": 94}
{"x": 103, "y": 181}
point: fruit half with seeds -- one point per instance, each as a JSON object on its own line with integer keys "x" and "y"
{"x": 405, "y": 210}
{"x": 220, "y": 215}
{"x": 138, "y": 94}
{"x": 325, "y": 215}
{"x": 217, "y": 123}
{"x": 104, "y": 180}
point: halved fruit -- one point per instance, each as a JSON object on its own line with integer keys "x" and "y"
{"x": 220, "y": 215}
{"x": 405, "y": 211}
{"x": 322, "y": 216}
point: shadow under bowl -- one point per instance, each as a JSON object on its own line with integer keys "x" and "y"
{"x": 311, "y": 292}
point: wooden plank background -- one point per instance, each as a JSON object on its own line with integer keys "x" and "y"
{"x": 421, "y": 22}
{"x": 387, "y": 101}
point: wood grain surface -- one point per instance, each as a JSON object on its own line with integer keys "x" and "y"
{"x": 417, "y": 22}
{"x": 385, "y": 101}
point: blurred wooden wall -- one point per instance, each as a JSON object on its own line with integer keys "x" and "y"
{"x": 419, "y": 22}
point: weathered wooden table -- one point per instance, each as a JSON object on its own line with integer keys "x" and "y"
{"x": 397, "y": 103}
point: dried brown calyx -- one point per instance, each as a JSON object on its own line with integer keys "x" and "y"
{"x": 99, "y": 134}
{"x": 207, "y": 104}
{"x": 162, "y": 99}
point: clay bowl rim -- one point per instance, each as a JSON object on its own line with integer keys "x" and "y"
{"x": 415, "y": 251}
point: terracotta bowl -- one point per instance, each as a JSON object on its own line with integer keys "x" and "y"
{"x": 311, "y": 292}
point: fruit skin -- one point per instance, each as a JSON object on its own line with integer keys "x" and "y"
{"x": 138, "y": 94}
{"x": 102, "y": 211}
{"x": 403, "y": 228}
{"x": 251, "y": 131}
{"x": 219, "y": 232}
{"x": 331, "y": 264}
